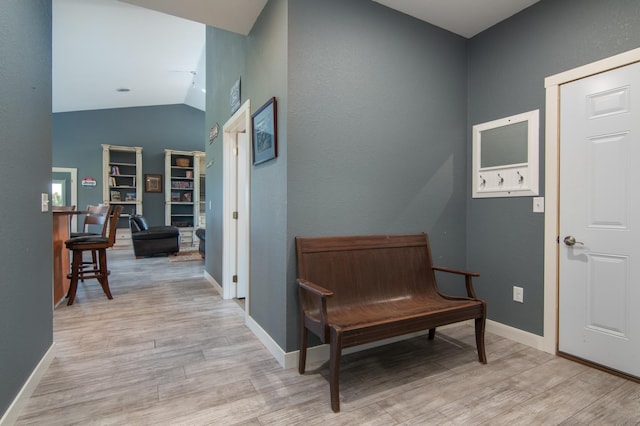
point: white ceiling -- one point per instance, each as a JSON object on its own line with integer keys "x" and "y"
{"x": 463, "y": 17}
{"x": 156, "y": 48}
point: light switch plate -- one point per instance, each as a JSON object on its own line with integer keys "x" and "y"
{"x": 518, "y": 294}
{"x": 44, "y": 202}
{"x": 538, "y": 204}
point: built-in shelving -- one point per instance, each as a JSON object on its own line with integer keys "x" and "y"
{"x": 182, "y": 192}
{"x": 122, "y": 181}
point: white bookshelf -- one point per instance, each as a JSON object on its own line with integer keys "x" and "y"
{"x": 182, "y": 192}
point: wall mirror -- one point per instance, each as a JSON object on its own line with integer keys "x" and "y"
{"x": 505, "y": 156}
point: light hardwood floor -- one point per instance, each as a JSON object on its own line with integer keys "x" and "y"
{"x": 168, "y": 350}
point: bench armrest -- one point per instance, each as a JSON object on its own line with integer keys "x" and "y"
{"x": 467, "y": 278}
{"x": 314, "y": 288}
{"x": 319, "y": 303}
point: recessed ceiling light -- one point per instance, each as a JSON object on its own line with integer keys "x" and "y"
{"x": 123, "y": 89}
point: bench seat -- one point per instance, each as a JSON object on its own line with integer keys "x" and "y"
{"x": 385, "y": 311}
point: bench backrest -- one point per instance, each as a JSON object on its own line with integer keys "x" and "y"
{"x": 367, "y": 269}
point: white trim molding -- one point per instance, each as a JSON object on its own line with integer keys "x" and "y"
{"x": 213, "y": 282}
{"x": 516, "y": 335}
{"x": 267, "y": 341}
{"x": 552, "y": 179}
{"x": 14, "y": 410}
{"x": 235, "y": 231}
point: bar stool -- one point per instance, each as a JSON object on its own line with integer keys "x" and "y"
{"x": 100, "y": 244}
{"x": 95, "y": 223}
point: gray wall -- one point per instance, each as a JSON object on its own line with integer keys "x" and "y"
{"x": 25, "y": 172}
{"x": 260, "y": 60}
{"x": 266, "y": 78}
{"x": 371, "y": 119}
{"x": 507, "y": 67}
{"x": 376, "y": 131}
{"x": 226, "y": 58}
{"x": 77, "y": 139}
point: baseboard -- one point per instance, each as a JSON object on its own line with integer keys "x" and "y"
{"x": 14, "y": 410}
{"x": 213, "y": 282}
{"x": 267, "y": 341}
{"x": 517, "y": 335}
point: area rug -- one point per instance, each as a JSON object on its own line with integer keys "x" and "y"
{"x": 185, "y": 256}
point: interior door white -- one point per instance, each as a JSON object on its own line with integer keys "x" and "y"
{"x": 242, "y": 225}
{"x": 599, "y": 266}
{"x": 235, "y": 204}
{"x": 233, "y": 252}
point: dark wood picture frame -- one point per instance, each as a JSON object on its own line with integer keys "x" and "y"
{"x": 265, "y": 132}
{"x": 152, "y": 183}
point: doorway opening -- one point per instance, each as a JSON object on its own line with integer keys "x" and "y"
{"x": 235, "y": 205}
{"x": 64, "y": 190}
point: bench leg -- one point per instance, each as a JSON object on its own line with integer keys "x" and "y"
{"x": 302, "y": 356}
{"x": 334, "y": 369}
{"x": 432, "y": 333}
{"x": 482, "y": 355}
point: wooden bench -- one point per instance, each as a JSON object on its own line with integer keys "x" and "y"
{"x": 361, "y": 289}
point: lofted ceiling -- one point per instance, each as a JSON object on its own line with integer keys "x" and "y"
{"x": 125, "y": 53}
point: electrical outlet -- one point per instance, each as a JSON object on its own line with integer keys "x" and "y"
{"x": 538, "y": 204}
{"x": 518, "y": 294}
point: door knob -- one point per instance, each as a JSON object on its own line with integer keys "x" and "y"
{"x": 571, "y": 241}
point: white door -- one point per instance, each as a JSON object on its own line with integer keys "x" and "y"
{"x": 599, "y": 265}
{"x": 239, "y": 231}
{"x": 236, "y": 187}
{"x": 242, "y": 228}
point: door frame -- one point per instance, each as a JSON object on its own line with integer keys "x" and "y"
{"x": 552, "y": 184}
{"x": 240, "y": 122}
{"x": 74, "y": 191}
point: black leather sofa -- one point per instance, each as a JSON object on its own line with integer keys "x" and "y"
{"x": 154, "y": 240}
{"x": 201, "y": 234}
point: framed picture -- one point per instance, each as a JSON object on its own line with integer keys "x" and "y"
{"x": 153, "y": 183}
{"x": 265, "y": 132}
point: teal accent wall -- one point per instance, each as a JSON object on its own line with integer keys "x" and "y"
{"x": 77, "y": 139}
{"x": 371, "y": 137}
{"x": 267, "y": 74}
{"x": 226, "y": 59}
{"x": 26, "y": 321}
{"x": 377, "y": 130}
{"x": 507, "y": 67}
{"x": 260, "y": 61}
{"x": 379, "y": 109}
